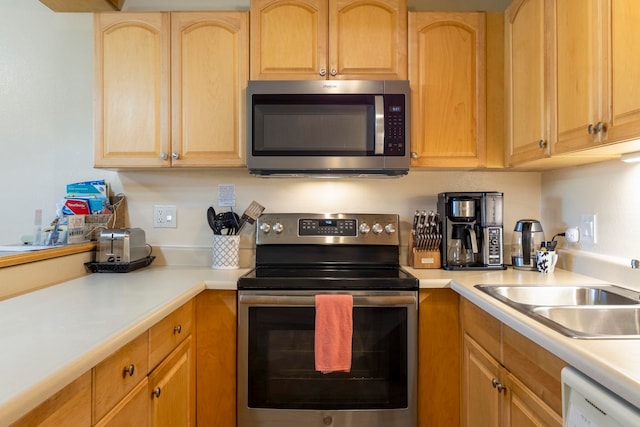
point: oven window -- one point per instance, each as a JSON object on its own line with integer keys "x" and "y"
{"x": 297, "y": 125}
{"x": 281, "y": 371}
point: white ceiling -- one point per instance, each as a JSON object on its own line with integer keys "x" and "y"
{"x": 162, "y": 5}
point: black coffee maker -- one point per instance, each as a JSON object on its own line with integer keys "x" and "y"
{"x": 472, "y": 230}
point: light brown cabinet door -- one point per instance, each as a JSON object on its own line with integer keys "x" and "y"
{"x": 625, "y": 66}
{"x": 131, "y": 89}
{"x": 367, "y": 39}
{"x": 289, "y": 39}
{"x": 482, "y": 403}
{"x": 209, "y": 73}
{"x": 202, "y": 58}
{"x": 328, "y": 39}
{"x": 216, "y": 327}
{"x": 447, "y": 73}
{"x": 525, "y": 409}
{"x": 172, "y": 389}
{"x": 582, "y": 74}
{"x": 529, "y": 87}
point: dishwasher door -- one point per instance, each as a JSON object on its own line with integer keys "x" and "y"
{"x": 585, "y": 403}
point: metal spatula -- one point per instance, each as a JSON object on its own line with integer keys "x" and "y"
{"x": 250, "y": 214}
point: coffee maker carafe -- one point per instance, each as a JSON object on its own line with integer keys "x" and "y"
{"x": 472, "y": 230}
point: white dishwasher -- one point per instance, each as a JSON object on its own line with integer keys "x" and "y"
{"x": 585, "y": 403}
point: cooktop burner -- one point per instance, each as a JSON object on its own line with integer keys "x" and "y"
{"x": 279, "y": 278}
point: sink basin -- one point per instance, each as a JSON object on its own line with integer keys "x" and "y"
{"x": 592, "y": 322}
{"x": 586, "y": 311}
{"x": 545, "y": 295}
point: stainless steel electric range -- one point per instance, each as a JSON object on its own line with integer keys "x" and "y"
{"x": 300, "y": 256}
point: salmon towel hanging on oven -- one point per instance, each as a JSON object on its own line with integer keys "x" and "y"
{"x": 333, "y": 333}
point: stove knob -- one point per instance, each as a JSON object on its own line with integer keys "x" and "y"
{"x": 364, "y": 228}
{"x": 265, "y": 228}
{"x": 390, "y": 228}
{"x": 377, "y": 228}
{"x": 277, "y": 227}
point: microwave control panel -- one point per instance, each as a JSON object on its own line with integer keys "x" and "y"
{"x": 394, "y": 127}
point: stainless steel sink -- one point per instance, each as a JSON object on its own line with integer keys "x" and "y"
{"x": 593, "y": 322}
{"x": 545, "y": 295}
{"x": 586, "y": 311}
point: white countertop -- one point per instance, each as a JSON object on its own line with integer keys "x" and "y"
{"x": 51, "y": 336}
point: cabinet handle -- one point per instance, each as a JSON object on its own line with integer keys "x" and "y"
{"x": 414, "y": 155}
{"x": 128, "y": 370}
{"x": 323, "y": 72}
{"x": 334, "y": 72}
{"x": 542, "y": 143}
{"x": 601, "y": 127}
{"x": 177, "y": 329}
{"x": 175, "y": 156}
{"x": 591, "y": 129}
{"x": 156, "y": 392}
{"x": 163, "y": 156}
{"x": 498, "y": 385}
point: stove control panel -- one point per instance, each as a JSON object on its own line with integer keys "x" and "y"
{"x": 354, "y": 229}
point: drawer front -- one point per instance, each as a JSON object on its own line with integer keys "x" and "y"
{"x": 165, "y": 335}
{"x": 117, "y": 375}
{"x": 133, "y": 410}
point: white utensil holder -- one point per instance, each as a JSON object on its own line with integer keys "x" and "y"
{"x": 226, "y": 252}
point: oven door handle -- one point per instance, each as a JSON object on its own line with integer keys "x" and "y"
{"x": 309, "y": 300}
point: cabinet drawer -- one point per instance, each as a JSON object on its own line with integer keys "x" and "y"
{"x": 165, "y": 335}
{"x": 132, "y": 411}
{"x": 484, "y": 328}
{"x": 117, "y": 375}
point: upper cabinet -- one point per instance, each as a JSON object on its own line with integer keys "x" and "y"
{"x": 83, "y": 5}
{"x": 582, "y": 73}
{"x": 571, "y": 81}
{"x": 447, "y": 66}
{"x": 170, "y": 89}
{"x": 528, "y": 83}
{"x": 328, "y": 39}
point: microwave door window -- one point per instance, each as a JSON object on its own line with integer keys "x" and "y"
{"x": 304, "y": 129}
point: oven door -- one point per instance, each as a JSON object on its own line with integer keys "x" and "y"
{"x": 277, "y": 381}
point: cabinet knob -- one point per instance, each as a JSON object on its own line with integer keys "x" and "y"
{"x": 414, "y": 155}
{"x": 334, "y": 72}
{"x": 498, "y": 385}
{"x": 177, "y": 329}
{"x": 156, "y": 392}
{"x": 175, "y": 156}
{"x": 128, "y": 370}
{"x": 542, "y": 143}
{"x": 601, "y": 127}
{"x": 323, "y": 71}
{"x": 591, "y": 129}
{"x": 163, "y": 156}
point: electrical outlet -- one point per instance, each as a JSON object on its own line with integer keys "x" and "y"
{"x": 164, "y": 216}
{"x": 588, "y": 230}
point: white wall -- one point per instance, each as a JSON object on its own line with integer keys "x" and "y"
{"x": 46, "y": 132}
{"x": 608, "y": 189}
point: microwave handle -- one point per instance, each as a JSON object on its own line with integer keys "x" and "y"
{"x": 379, "y": 110}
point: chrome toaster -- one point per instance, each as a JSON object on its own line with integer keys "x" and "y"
{"x": 121, "y": 245}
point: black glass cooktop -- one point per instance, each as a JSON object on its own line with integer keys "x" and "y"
{"x": 323, "y": 278}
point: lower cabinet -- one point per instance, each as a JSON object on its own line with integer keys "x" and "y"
{"x": 507, "y": 380}
{"x": 216, "y": 315}
{"x": 172, "y": 389}
{"x": 439, "y": 358}
{"x": 149, "y": 381}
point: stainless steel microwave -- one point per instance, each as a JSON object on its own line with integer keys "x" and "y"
{"x": 328, "y": 127}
